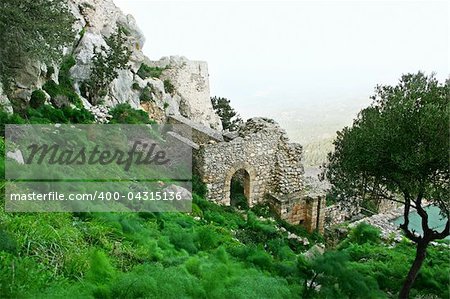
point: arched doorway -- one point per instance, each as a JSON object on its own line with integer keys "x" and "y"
{"x": 243, "y": 176}
{"x": 240, "y": 189}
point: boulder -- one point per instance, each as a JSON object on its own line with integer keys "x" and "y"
{"x": 17, "y": 156}
{"x": 184, "y": 193}
{"x": 5, "y": 104}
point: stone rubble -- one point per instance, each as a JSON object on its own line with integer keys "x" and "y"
{"x": 101, "y": 113}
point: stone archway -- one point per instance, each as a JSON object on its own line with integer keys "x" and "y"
{"x": 249, "y": 179}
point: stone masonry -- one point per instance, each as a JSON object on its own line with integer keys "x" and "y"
{"x": 271, "y": 164}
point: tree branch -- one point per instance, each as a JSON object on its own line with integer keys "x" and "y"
{"x": 423, "y": 214}
{"x": 409, "y": 234}
{"x": 441, "y": 235}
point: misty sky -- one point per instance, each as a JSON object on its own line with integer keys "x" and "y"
{"x": 276, "y": 57}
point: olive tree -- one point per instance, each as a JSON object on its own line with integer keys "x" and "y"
{"x": 398, "y": 149}
{"x": 229, "y": 117}
{"x": 32, "y": 30}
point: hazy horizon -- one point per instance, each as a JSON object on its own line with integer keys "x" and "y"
{"x": 310, "y": 65}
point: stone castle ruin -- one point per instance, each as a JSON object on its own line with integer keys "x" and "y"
{"x": 269, "y": 165}
{"x": 259, "y": 153}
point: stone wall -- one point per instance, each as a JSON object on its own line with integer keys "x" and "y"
{"x": 253, "y": 151}
{"x": 263, "y": 155}
{"x": 198, "y": 133}
{"x": 300, "y": 208}
{"x": 340, "y": 212}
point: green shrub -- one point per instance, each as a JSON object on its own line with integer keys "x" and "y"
{"x": 37, "y": 99}
{"x": 193, "y": 265}
{"x": 361, "y": 234}
{"x": 183, "y": 240}
{"x": 146, "y": 95}
{"x": 136, "y": 86}
{"x": 261, "y": 209}
{"x": 124, "y": 114}
{"x": 260, "y": 258}
{"x": 82, "y": 32}
{"x": 207, "y": 238}
{"x": 100, "y": 269}
{"x": 50, "y": 72}
{"x": 64, "y": 77}
{"x": 106, "y": 63}
{"x": 59, "y": 91}
{"x": 7, "y": 242}
{"x": 198, "y": 187}
{"x": 47, "y": 114}
{"x": 166, "y": 105}
{"x": 169, "y": 87}
{"x": 338, "y": 279}
{"x": 6, "y": 118}
{"x": 65, "y": 87}
{"x": 196, "y": 211}
{"x": 22, "y": 276}
{"x": 146, "y": 71}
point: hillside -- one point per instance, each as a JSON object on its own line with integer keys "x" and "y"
{"x": 214, "y": 251}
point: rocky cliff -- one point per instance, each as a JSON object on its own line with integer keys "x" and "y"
{"x": 181, "y": 87}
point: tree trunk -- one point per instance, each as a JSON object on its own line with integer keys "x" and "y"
{"x": 421, "y": 253}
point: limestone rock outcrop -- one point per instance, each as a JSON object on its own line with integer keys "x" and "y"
{"x": 5, "y": 104}
{"x": 95, "y": 21}
{"x": 191, "y": 82}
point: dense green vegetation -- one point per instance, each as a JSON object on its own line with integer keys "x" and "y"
{"x": 397, "y": 149}
{"x": 124, "y": 114}
{"x": 173, "y": 255}
{"x": 37, "y": 33}
{"x": 214, "y": 251}
{"x": 146, "y": 71}
{"x": 63, "y": 94}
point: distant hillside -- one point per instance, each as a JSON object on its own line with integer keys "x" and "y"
{"x": 313, "y": 124}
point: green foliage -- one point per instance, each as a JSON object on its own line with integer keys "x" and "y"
{"x": 37, "y": 99}
{"x": 100, "y": 269}
{"x": 136, "y": 86}
{"x": 7, "y": 242}
{"x": 64, "y": 72}
{"x": 169, "y": 87}
{"x": 50, "y": 72}
{"x": 229, "y": 117}
{"x": 361, "y": 234}
{"x": 82, "y": 32}
{"x": 237, "y": 195}
{"x": 48, "y": 114}
{"x": 6, "y": 118}
{"x": 261, "y": 209}
{"x": 388, "y": 266}
{"x": 32, "y": 31}
{"x": 124, "y": 114}
{"x": 397, "y": 149}
{"x": 397, "y": 145}
{"x": 198, "y": 187}
{"x": 127, "y": 255}
{"x": 146, "y": 95}
{"x": 221, "y": 254}
{"x": 166, "y": 105}
{"x": 146, "y": 71}
{"x": 338, "y": 280}
{"x": 63, "y": 94}
{"x": 106, "y": 63}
